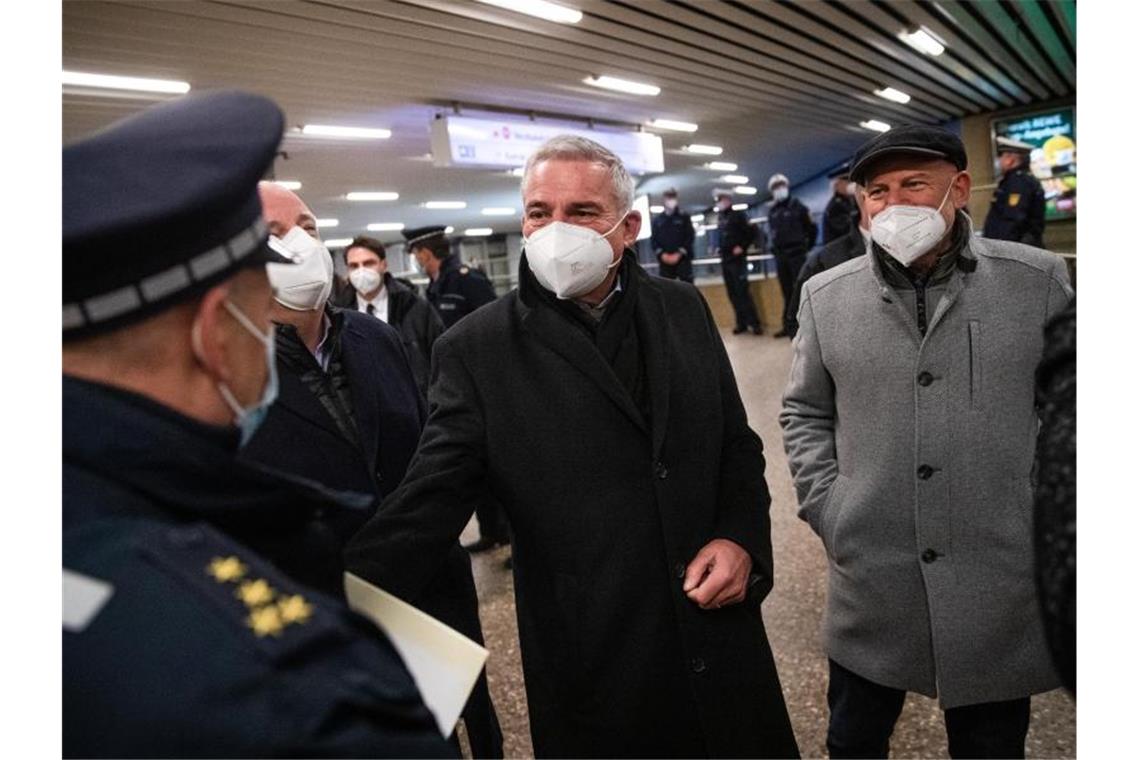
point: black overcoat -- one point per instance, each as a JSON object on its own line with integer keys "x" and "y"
{"x": 606, "y": 509}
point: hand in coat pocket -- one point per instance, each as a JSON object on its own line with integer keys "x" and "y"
{"x": 718, "y": 575}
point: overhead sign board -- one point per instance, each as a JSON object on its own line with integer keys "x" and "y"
{"x": 507, "y": 143}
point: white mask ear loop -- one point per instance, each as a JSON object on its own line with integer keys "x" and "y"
{"x": 607, "y": 234}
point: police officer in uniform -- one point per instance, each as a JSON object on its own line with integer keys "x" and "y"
{"x": 841, "y": 215}
{"x": 793, "y": 234}
{"x": 189, "y": 628}
{"x": 1017, "y": 211}
{"x": 673, "y": 240}
{"x": 455, "y": 290}
{"x": 734, "y": 234}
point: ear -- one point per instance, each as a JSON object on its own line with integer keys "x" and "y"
{"x": 212, "y": 338}
{"x": 630, "y": 227}
{"x": 960, "y": 194}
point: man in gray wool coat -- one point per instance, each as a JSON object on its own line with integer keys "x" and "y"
{"x": 909, "y": 424}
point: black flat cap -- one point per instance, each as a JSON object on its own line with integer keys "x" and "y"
{"x": 163, "y": 205}
{"x": 423, "y": 235}
{"x": 918, "y": 139}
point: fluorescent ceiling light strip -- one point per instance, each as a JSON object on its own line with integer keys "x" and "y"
{"x": 875, "y": 125}
{"x": 720, "y": 166}
{"x": 288, "y": 184}
{"x": 657, "y": 209}
{"x": 355, "y": 133}
{"x": 890, "y": 93}
{"x": 111, "y": 82}
{"x": 328, "y": 222}
{"x": 744, "y": 190}
{"x": 372, "y": 196}
{"x": 705, "y": 150}
{"x": 386, "y": 227}
{"x": 445, "y": 204}
{"x": 337, "y": 242}
{"x": 622, "y": 85}
{"x": 559, "y": 14}
{"x": 498, "y": 211}
{"x": 448, "y": 230}
{"x": 923, "y": 40}
{"x": 734, "y": 179}
{"x": 739, "y": 206}
{"x": 675, "y": 126}
{"x": 478, "y": 231}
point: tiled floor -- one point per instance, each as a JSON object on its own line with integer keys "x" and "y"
{"x": 792, "y": 612}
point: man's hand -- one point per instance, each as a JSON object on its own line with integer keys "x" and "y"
{"x": 718, "y": 575}
{"x": 737, "y": 251}
{"x": 670, "y": 258}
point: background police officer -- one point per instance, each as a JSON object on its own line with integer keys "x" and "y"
{"x": 455, "y": 290}
{"x": 793, "y": 234}
{"x": 186, "y": 629}
{"x": 734, "y": 234}
{"x": 841, "y": 215}
{"x": 1017, "y": 211}
{"x": 673, "y": 240}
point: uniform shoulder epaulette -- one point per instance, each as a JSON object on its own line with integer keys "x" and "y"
{"x": 265, "y": 607}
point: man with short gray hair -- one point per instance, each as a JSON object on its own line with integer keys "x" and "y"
{"x": 640, "y": 524}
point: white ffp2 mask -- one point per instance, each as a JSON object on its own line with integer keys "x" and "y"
{"x": 365, "y": 280}
{"x": 306, "y": 284}
{"x": 570, "y": 260}
{"x": 907, "y": 232}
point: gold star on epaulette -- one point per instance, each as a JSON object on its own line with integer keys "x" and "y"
{"x": 226, "y": 569}
{"x": 294, "y": 609}
{"x": 265, "y": 621}
{"x": 255, "y": 593}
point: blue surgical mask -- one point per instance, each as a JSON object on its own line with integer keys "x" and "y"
{"x": 249, "y": 419}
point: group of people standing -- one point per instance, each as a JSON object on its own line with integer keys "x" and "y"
{"x": 233, "y": 443}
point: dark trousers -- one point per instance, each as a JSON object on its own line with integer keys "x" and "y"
{"x": 735, "y": 271}
{"x": 788, "y": 266}
{"x": 863, "y": 716}
{"x": 682, "y": 270}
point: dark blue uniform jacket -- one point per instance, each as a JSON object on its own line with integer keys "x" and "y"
{"x": 211, "y": 644}
{"x": 1017, "y": 211}
{"x": 458, "y": 291}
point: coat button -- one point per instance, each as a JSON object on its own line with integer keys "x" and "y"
{"x": 925, "y": 471}
{"x": 660, "y": 470}
{"x": 697, "y": 664}
{"x": 925, "y": 379}
{"x": 929, "y": 556}
{"x": 679, "y": 569}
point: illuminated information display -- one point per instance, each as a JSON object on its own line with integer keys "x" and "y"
{"x": 506, "y": 143}
{"x": 1053, "y": 135}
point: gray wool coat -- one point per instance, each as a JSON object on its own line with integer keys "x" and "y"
{"x": 912, "y": 458}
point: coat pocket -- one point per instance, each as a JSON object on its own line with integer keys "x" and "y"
{"x": 975, "y": 339}
{"x": 831, "y": 510}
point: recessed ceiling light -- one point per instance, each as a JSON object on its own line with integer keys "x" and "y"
{"x": 288, "y": 184}
{"x": 498, "y": 211}
{"x": 445, "y": 204}
{"x": 875, "y": 125}
{"x": 744, "y": 190}
{"x": 721, "y": 166}
{"x": 352, "y": 133}
{"x": 923, "y": 40}
{"x": 739, "y": 206}
{"x": 372, "y": 196}
{"x": 337, "y": 242}
{"x": 697, "y": 218}
{"x": 734, "y": 179}
{"x": 448, "y": 230}
{"x": 478, "y": 231}
{"x": 386, "y": 227}
{"x": 675, "y": 126}
{"x": 622, "y": 85}
{"x": 328, "y": 222}
{"x": 705, "y": 150}
{"x": 111, "y": 82}
{"x": 541, "y": 9}
{"x": 657, "y": 209}
{"x": 890, "y": 93}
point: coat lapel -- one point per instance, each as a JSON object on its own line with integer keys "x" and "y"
{"x": 568, "y": 342}
{"x": 654, "y": 340}
{"x": 295, "y": 396}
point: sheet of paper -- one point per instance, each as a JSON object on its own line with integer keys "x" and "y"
{"x": 444, "y": 663}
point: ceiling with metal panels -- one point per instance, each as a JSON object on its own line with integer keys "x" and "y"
{"x": 781, "y": 86}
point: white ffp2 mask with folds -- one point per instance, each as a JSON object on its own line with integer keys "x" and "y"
{"x": 907, "y": 232}
{"x": 306, "y": 284}
{"x": 570, "y": 260}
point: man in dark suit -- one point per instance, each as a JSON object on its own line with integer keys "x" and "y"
{"x": 638, "y": 505}
{"x": 349, "y": 416}
{"x": 189, "y": 626}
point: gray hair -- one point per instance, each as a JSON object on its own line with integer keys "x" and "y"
{"x": 575, "y": 148}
